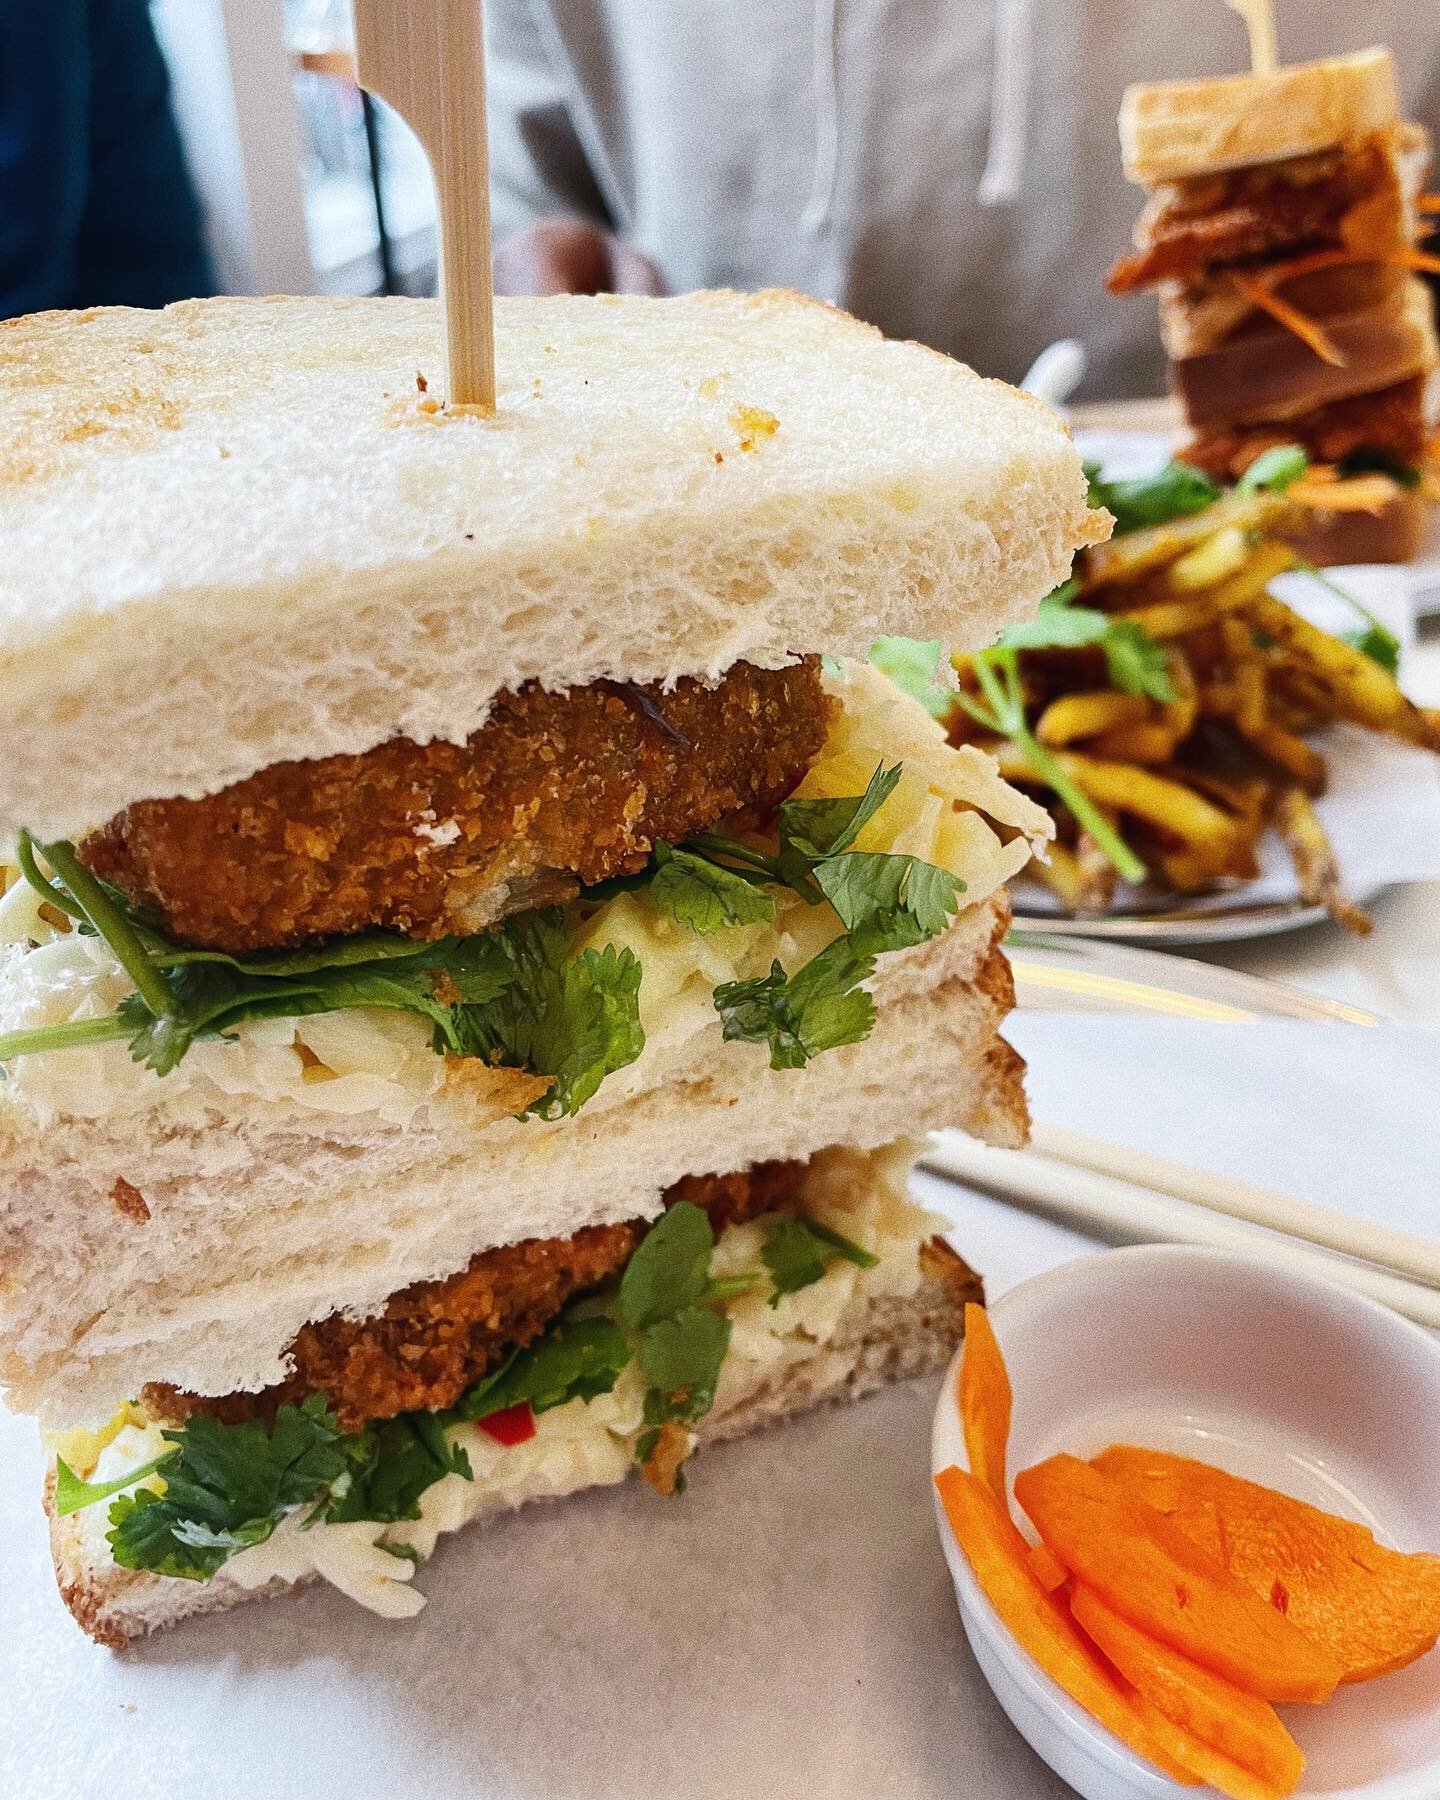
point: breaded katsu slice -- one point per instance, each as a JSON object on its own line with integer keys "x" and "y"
{"x": 436, "y": 1339}
{"x": 1238, "y": 216}
{"x": 554, "y": 791}
{"x": 1390, "y": 422}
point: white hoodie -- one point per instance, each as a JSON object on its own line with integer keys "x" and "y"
{"x": 946, "y": 168}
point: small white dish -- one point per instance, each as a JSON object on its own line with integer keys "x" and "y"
{"x": 1277, "y": 1377}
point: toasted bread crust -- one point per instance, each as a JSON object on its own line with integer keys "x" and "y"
{"x": 1179, "y": 128}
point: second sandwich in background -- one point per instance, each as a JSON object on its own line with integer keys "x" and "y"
{"x": 1282, "y": 234}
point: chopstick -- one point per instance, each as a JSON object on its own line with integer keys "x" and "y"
{"x": 1399, "y": 1251}
{"x": 1132, "y": 1209}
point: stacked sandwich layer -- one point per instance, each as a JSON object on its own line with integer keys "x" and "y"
{"x": 480, "y": 1073}
{"x": 1283, "y": 234}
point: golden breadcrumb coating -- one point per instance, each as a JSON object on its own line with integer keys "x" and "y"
{"x": 552, "y": 792}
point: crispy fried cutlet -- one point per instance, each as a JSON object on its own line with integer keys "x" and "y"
{"x": 555, "y": 790}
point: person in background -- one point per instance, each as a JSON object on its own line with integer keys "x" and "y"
{"x": 948, "y": 170}
{"x": 96, "y": 204}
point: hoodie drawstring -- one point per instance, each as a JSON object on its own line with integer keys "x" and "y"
{"x": 1010, "y": 69}
{"x": 824, "y": 32}
{"x": 1009, "y": 104}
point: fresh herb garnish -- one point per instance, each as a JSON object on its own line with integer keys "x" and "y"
{"x": 578, "y": 1360}
{"x": 517, "y": 995}
{"x": 818, "y": 1008}
{"x": 228, "y": 1486}
{"x": 798, "y": 1251}
{"x": 914, "y": 666}
{"x": 666, "y": 1302}
{"x": 699, "y": 892}
{"x": 398, "y": 1460}
{"x": 1274, "y": 470}
{"x": 1174, "y": 492}
{"x": 72, "y": 1493}
{"x": 1137, "y": 662}
{"x": 1380, "y": 645}
{"x": 1001, "y": 709}
{"x": 573, "y": 1018}
{"x": 886, "y": 902}
{"x": 1375, "y": 638}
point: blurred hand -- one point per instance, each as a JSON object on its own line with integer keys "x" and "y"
{"x": 572, "y": 256}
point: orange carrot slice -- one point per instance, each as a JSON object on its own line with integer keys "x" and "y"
{"x": 1198, "y": 1761}
{"x": 1040, "y": 1624}
{"x": 985, "y": 1403}
{"x": 1159, "y": 1579}
{"x": 1312, "y": 335}
{"x": 1374, "y": 1610}
{"x": 1243, "y": 1729}
{"x": 1046, "y": 1567}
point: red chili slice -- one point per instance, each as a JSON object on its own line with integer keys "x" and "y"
{"x": 513, "y": 1425}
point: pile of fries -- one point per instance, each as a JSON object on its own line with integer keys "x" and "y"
{"x": 1161, "y": 703}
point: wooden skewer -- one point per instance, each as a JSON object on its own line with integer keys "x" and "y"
{"x": 1123, "y": 1208}
{"x": 426, "y": 58}
{"x": 1260, "y": 24}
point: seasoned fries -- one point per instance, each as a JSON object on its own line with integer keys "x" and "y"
{"x": 1314, "y": 859}
{"x": 1162, "y": 701}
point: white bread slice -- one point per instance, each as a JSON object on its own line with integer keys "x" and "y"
{"x": 261, "y": 1217}
{"x": 907, "y": 1329}
{"x": 1173, "y": 129}
{"x": 235, "y": 532}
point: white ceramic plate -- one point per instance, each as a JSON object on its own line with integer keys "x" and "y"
{"x": 1071, "y": 974}
{"x": 1277, "y": 1377}
{"x": 1182, "y": 926}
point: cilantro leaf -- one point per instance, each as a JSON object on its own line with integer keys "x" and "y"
{"x": 697, "y": 891}
{"x": 402, "y": 1457}
{"x": 573, "y": 1018}
{"x": 1174, "y": 492}
{"x": 1058, "y": 625}
{"x": 818, "y": 1008}
{"x": 681, "y": 1357}
{"x": 670, "y": 1266}
{"x": 798, "y": 1251}
{"x": 234, "y": 1482}
{"x": 142, "y": 1536}
{"x": 228, "y": 1486}
{"x": 579, "y": 1359}
{"x": 914, "y": 667}
{"x": 1379, "y": 644}
{"x": 900, "y": 899}
{"x": 210, "y": 998}
{"x": 71, "y": 1493}
{"x": 665, "y": 1301}
{"x": 363, "y": 947}
{"x": 1137, "y": 662}
{"x": 813, "y": 829}
{"x": 1275, "y": 469}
